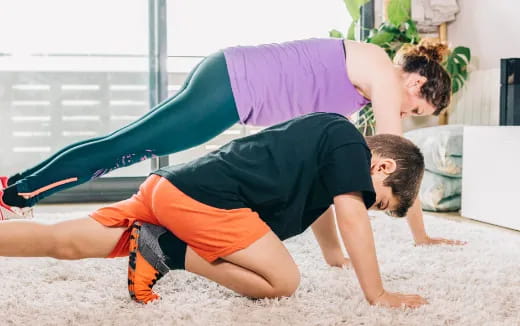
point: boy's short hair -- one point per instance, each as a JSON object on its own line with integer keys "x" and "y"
{"x": 406, "y": 179}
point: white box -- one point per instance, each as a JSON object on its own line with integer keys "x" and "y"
{"x": 491, "y": 175}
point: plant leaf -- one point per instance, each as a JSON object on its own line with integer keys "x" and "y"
{"x": 366, "y": 121}
{"x": 411, "y": 32}
{"x": 381, "y": 38}
{"x": 456, "y": 65}
{"x": 353, "y": 8}
{"x": 456, "y": 84}
{"x": 335, "y": 33}
{"x": 361, "y": 3}
{"x": 387, "y": 27}
{"x": 462, "y": 52}
{"x": 351, "y": 31}
{"x": 398, "y": 11}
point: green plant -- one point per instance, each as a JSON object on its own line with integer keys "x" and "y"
{"x": 391, "y": 35}
{"x": 354, "y": 10}
{"x": 456, "y": 64}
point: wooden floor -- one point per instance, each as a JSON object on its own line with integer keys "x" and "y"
{"x": 457, "y": 217}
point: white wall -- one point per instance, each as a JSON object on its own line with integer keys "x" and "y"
{"x": 489, "y": 28}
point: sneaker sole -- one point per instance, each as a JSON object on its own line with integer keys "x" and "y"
{"x": 6, "y": 214}
{"x": 132, "y": 266}
{"x": 132, "y": 258}
{"x": 16, "y": 213}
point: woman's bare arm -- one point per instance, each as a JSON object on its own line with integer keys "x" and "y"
{"x": 374, "y": 75}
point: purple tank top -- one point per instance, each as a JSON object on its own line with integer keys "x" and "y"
{"x": 272, "y": 83}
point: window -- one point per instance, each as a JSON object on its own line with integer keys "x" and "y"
{"x": 70, "y": 70}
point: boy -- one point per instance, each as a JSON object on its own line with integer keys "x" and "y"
{"x": 229, "y": 210}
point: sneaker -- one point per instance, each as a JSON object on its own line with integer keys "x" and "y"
{"x": 3, "y": 182}
{"x": 9, "y": 212}
{"x": 6, "y": 211}
{"x": 142, "y": 276}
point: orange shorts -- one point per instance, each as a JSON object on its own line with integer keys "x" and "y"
{"x": 211, "y": 232}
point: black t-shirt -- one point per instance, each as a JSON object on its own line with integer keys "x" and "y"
{"x": 288, "y": 173}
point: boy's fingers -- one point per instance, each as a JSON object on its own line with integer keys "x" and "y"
{"x": 415, "y": 303}
{"x": 453, "y": 242}
{"x": 437, "y": 241}
{"x": 412, "y": 296}
{"x": 459, "y": 242}
{"x": 404, "y": 301}
{"x": 413, "y": 300}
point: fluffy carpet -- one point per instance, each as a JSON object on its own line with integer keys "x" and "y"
{"x": 478, "y": 284}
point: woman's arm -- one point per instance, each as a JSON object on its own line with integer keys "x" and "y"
{"x": 373, "y": 73}
{"x": 415, "y": 220}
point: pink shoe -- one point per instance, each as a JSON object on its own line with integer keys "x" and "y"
{"x": 3, "y": 182}
{"x": 8, "y": 212}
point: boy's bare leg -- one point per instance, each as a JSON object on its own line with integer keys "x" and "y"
{"x": 72, "y": 239}
{"x": 265, "y": 269}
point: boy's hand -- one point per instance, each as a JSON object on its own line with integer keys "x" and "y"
{"x": 426, "y": 241}
{"x": 398, "y": 300}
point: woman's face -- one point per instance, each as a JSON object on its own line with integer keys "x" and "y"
{"x": 413, "y": 103}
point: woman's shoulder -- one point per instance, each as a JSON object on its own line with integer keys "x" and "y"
{"x": 366, "y": 61}
{"x": 366, "y": 51}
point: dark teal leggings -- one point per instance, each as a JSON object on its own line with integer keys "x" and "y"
{"x": 201, "y": 110}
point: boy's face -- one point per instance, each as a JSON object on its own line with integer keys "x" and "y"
{"x": 381, "y": 168}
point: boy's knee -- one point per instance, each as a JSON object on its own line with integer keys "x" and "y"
{"x": 288, "y": 289}
{"x": 288, "y": 284}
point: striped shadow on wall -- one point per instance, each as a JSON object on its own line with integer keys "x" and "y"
{"x": 478, "y": 103}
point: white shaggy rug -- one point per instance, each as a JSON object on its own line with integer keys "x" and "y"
{"x": 478, "y": 284}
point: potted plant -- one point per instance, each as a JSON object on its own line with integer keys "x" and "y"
{"x": 391, "y": 35}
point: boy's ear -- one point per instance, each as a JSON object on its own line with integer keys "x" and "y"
{"x": 384, "y": 165}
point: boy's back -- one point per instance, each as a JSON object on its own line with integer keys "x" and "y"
{"x": 288, "y": 173}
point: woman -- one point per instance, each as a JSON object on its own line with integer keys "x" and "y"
{"x": 256, "y": 85}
